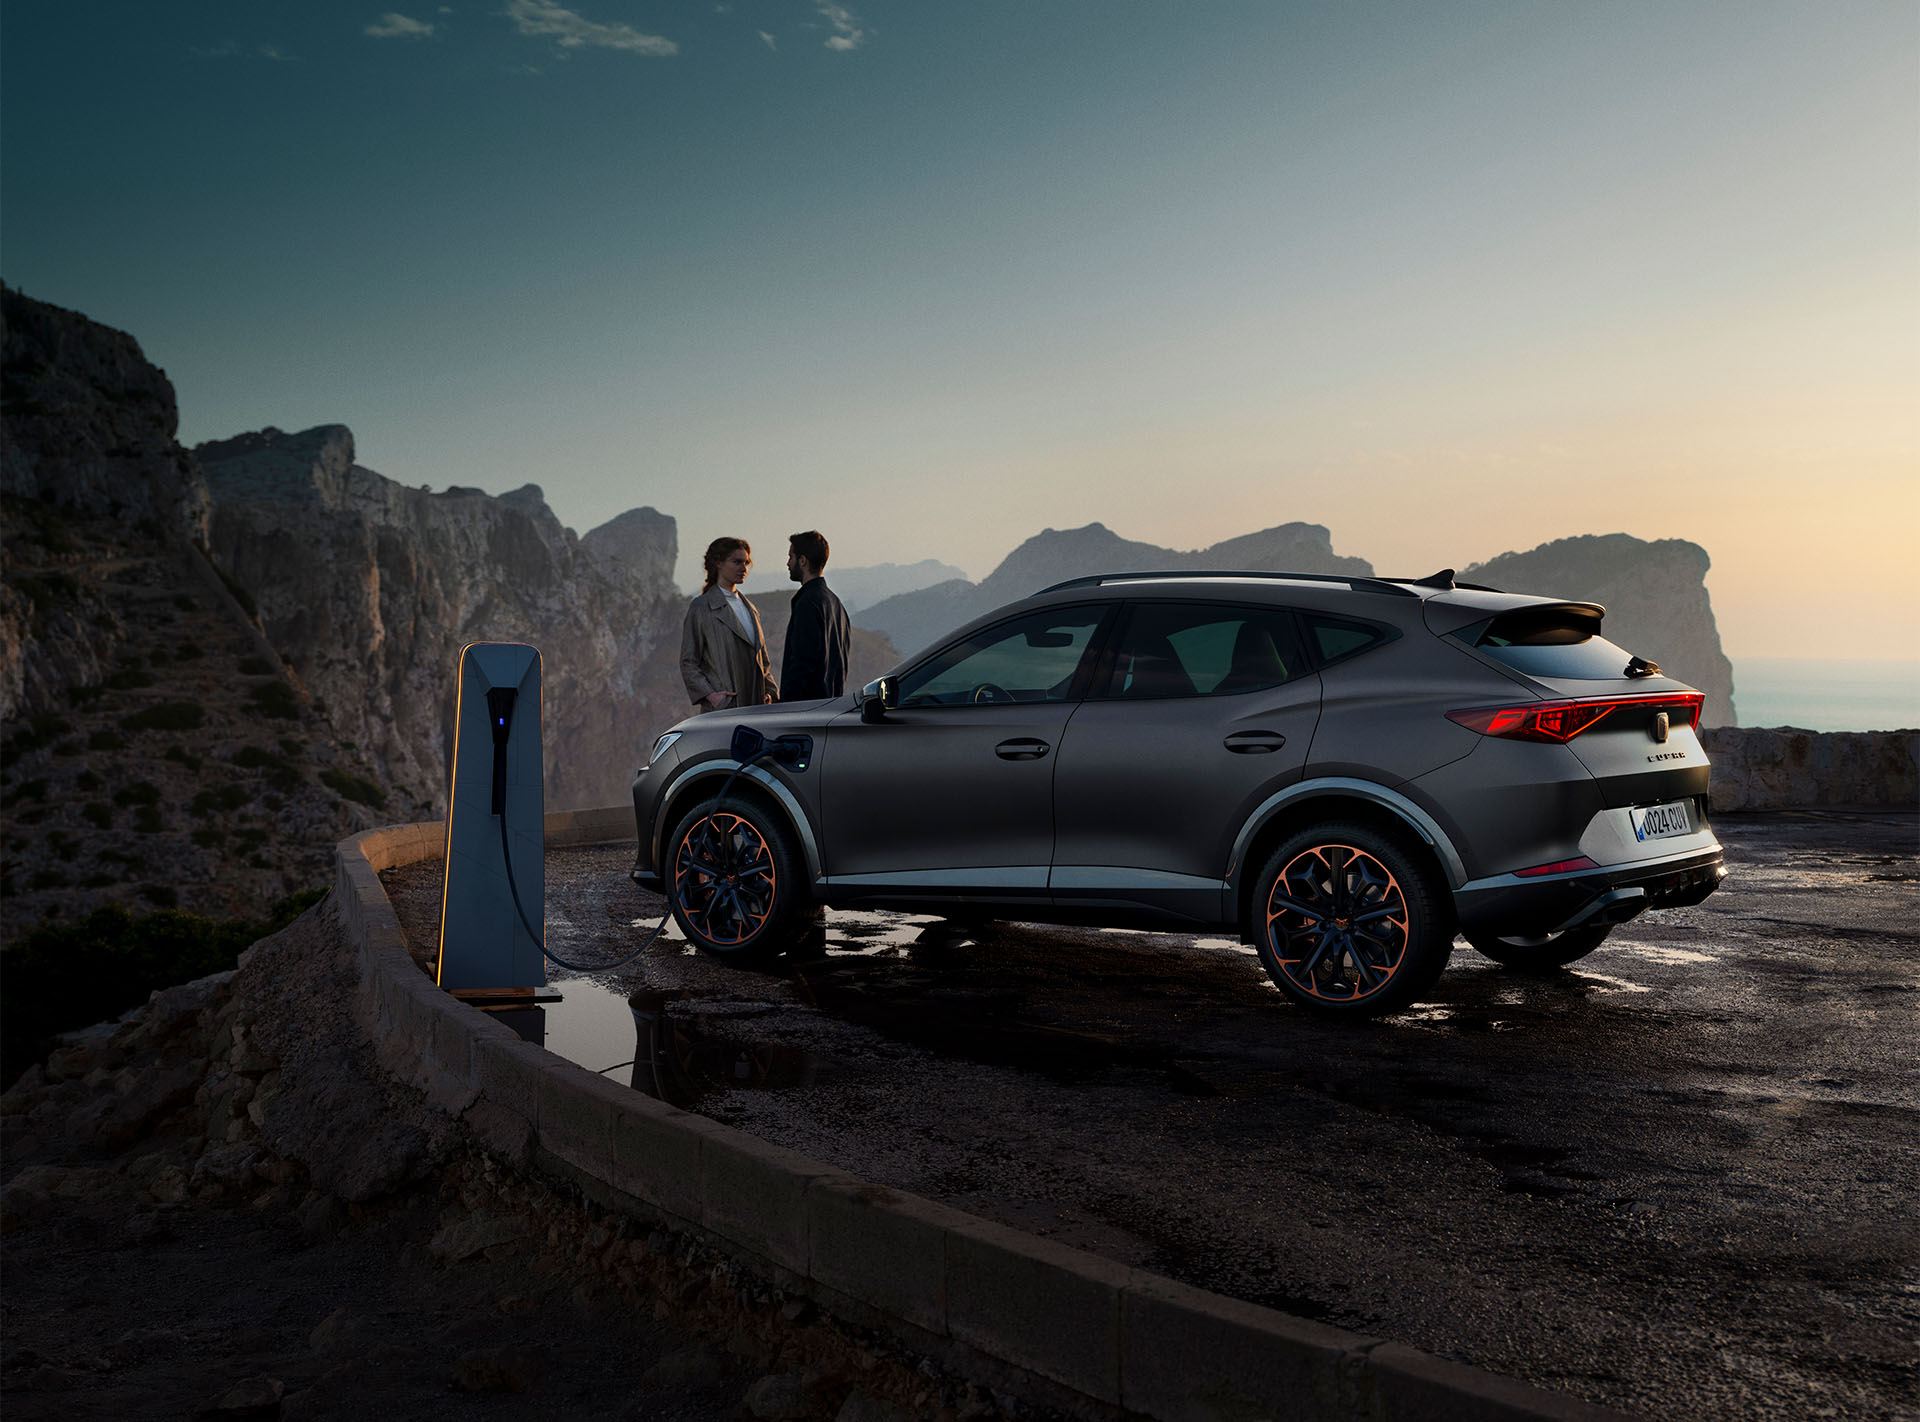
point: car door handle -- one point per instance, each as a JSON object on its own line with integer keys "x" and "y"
{"x": 1021, "y": 748}
{"x": 1254, "y": 742}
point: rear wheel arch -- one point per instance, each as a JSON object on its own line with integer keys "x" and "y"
{"x": 1327, "y": 807}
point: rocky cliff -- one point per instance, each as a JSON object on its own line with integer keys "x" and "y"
{"x": 1655, "y": 595}
{"x": 370, "y": 588}
{"x": 157, "y": 754}
{"x": 914, "y": 619}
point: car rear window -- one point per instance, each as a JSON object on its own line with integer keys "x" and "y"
{"x": 1550, "y": 642}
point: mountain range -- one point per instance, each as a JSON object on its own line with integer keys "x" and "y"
{"x": 238, "y": 653}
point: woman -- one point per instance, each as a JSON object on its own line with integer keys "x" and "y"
{"x": 723, "y": 654}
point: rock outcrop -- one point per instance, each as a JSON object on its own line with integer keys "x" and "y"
{"x": 914, "y": 619}
{"x": 90, "y": 422}
{"x": 1655, "y": 595}
{"x": 370, "y": 588}
{"x": 157, "y": 754}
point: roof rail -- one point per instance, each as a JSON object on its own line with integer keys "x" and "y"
{"x": 1372, "y": 585}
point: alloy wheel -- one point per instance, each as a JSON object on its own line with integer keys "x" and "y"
{"x": 1337, "y": 922}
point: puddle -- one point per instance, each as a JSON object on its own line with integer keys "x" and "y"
{"x": 681, "y": 1058}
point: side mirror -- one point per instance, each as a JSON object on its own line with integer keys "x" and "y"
{"x": 878, "y": 697}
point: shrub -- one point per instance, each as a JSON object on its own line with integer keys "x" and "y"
{"x": 226, "y": 798}
{"x": 35, "y": 789}
{"x": 208, "y": 837}
{"x": 78, "y": 696}
{"x": 106, "y": 740}
{"x": 276, "y": 699}
{"x": 352, "y": 787}
{"x": 185, "y": 603}
{"x": 160, "y": 895}
{"x": 256, "y": 666}
{"x": 62, "y": 843}
{"x": 66, "y": 975}
{"x": 39, "y": 731}
{"x": 141, "y": 792}
{"x": 147, "y": 820}
{"x": 129, "y": 679}
{"x": 43, "y": 879}
{"x": 86, "y": 780}
{"x": 188, "y": 652}
{"x": 98, "y": 881}
{"x": 280, "y": 774}
{"x": 184, "y": 757}
{"x": 167, "y": 716}
{"x": 97, "y": 815}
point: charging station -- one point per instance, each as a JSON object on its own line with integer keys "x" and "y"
{"x": 493, "y": 900}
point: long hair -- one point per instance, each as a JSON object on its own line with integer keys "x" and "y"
{"x": 716, "y": 551}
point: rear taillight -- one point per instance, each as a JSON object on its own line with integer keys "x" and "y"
{"x": 1563, "y": 720}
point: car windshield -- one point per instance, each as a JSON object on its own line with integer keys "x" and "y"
{"x": 1031, "y": 659}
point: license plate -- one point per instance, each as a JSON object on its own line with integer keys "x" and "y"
{"x": 1661, "y": 821}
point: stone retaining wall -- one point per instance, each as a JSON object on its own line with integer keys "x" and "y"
{"x": 1785, "y": 768}
{"x": 1084, "y": 1332}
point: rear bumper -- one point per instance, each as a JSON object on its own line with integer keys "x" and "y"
{"x": 1509, "y": 905}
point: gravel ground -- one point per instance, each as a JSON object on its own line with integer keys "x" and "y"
{"x": 1677, "y": 1179}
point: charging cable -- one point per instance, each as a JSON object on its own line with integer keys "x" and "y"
{"x": 500, "y": 804}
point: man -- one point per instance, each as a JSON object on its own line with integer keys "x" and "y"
{"x": 814, "y": 664}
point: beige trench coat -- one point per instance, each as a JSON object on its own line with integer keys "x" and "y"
{"x": 715, "y": 654}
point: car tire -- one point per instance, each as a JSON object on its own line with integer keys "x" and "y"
{"x": 1350, "y": 921}
{"x": 1543, "y": 953}
{"x": 734, "y": 880}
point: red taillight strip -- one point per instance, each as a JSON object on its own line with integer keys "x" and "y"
{"x": 1563, "y": 720}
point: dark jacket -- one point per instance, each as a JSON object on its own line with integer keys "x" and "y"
{"x": 818, "y": 640}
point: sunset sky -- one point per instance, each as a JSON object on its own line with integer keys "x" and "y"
{"x": 1450, "y": 279}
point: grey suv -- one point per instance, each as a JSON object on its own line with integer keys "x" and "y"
{"x": 1344, "y": 772}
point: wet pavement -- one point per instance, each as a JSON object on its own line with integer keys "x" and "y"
{"x": 1682, "y": 1177}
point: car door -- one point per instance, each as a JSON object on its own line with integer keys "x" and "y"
{"x": 1199, "y": 712}
{"x": 953, "y": 790}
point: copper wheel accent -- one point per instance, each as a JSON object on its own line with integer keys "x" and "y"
{"x": 1337, "y": 923}
{"x": 723, "y": 878}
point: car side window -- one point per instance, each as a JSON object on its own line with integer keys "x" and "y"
{"x": 1033, "y": 658}
{"x": 1203, "y": 649}
{"x": 1335, "y": 639}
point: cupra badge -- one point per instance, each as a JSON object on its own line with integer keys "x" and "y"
{"x": 1658, "y": 730}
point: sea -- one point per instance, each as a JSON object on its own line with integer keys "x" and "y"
{"x": 1827, "y": 695}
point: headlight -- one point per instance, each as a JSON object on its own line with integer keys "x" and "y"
{"x": 660, "y": 746}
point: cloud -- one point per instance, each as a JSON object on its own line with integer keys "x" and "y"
{"x": 232, "y": 50}
{"x": 571, "y": 31}
{"x": 847, "y": 32}
{"x": 768, "y": 40}
{"x": 396, "y": 26}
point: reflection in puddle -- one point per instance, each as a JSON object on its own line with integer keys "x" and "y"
{"x": 678, "y": 1058}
